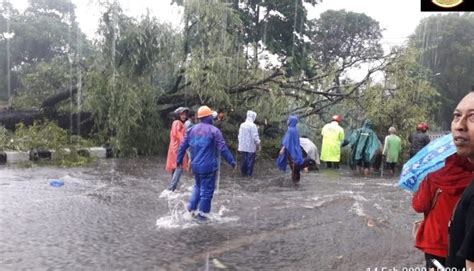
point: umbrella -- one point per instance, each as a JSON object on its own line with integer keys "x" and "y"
{"x": 431, "y": 158}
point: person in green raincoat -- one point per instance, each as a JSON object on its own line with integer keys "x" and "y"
{"x": 391, "y": 149}
{"x": 333, "y": 135}
{"x": 364, "y": 144}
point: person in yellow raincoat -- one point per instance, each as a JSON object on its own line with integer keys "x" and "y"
{"x": 333, "y": 136}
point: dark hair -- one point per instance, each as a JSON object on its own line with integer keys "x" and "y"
{"x": 191, "y": 113}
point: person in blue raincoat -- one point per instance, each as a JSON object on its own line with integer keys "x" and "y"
{"x": 364, "y": 143}
{"x": 290, "y": 151}
{"x": 205, "y": 142}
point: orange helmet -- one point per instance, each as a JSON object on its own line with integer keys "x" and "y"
{"x": 204, "y": 111}
{"x": 337, "y": 118}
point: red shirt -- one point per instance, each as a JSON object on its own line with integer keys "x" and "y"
{"x": 452, "y": 179}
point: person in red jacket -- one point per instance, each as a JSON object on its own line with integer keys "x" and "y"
{"x": 450, "y": 181}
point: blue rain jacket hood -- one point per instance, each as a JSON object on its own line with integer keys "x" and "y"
{"x": 291, "y": 142}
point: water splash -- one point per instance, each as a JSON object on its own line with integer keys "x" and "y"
{"x": 178, "y": 216}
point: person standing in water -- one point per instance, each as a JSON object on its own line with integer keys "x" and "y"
{"x": 364, "y": 143}
{"x": 176, "y": 137}
{"x": 290, "y": 151}
{"x": 333, "y": 136}
{"x": 205, "y": 142}
{"x": 391, "y": 149}
{"x": 249, "y": 142}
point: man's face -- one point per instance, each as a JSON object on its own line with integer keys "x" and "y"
{"x": 462, "y": 127}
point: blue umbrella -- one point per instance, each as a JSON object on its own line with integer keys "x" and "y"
{"x": 429, "y": 159}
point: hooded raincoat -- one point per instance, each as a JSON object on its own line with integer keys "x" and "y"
{"x": 333, "y": 135}
{"x": 248, "y": 134}
{"x": 177, "y": 133}
{"x": 291, "y": 142}
{"x": 364, "y": 143}
{"x": 248, "y": 141}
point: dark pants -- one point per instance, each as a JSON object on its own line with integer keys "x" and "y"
{"x": 332, "y": 164}
{"x": 296, "y": 169}
{"x": 391, "y": 166}
{"x": 429, "y": 263}
{"x": 247, "y": 161}
{"x": 203, "y": 191}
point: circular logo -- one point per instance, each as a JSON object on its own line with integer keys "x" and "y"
{"x": 447, "y": 3}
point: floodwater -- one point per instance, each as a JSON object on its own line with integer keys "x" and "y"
{"x": 115, "y": 214}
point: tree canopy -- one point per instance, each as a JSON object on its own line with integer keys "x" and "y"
{"x": 231, "y": 55}
{"x": 446, "y": 43}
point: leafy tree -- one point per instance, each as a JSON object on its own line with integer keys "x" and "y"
{"x": 344, "y": 38}
{"x": 404, "y": 99}
{"x": 47, "y": 47}
{"x": 122, "y": 88}
{"x": 446, "y": 43}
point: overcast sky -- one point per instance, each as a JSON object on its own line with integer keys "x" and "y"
{"x": 399, "y": 18}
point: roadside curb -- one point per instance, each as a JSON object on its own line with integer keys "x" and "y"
{"x": 13, "y": 157}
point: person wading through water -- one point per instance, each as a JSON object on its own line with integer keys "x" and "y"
{"x": 391, "y": 149}
{"x": 364, "y": 144}
{"x": 249, "y": 142}
{"x": 290, "y": 151}
{"x": 333, "y": 136}
{"x": 176, "y": 137}
{"x": 205, "y": 142}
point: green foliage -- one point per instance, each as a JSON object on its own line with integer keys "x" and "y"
{"x": 38, "y": 136}
{"x": 46, "y": 136}
{"x": 406, "y": 99}
{"x": 213, "y": 60}
{"x": 141, "y": 69}
{"x": 42, "y": 80}
{"x": 46, "y": 50}
{"x": 4, "y": 138}
{"x": 446, "y": 43}
{"x": 344, "y": 37}
{"x": 121, "y": 85}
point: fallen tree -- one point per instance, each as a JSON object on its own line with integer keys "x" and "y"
{"x": 77, "y": 123}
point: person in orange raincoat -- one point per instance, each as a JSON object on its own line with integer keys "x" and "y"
{"x": 177, "y": 133}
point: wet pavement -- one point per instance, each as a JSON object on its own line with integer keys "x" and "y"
{"x": 115, "y": 214}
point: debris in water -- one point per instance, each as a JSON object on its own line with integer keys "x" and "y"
{"x": 218, "y": 264}
{"x": 56, "y": 183}
{"x": 339, "y": 257}
{"x": 370, "y": 223}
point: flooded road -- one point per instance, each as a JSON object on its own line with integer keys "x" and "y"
{"x": 115, "y": 215}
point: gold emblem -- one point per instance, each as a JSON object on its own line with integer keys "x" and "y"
{"x": 447, "y": 3}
